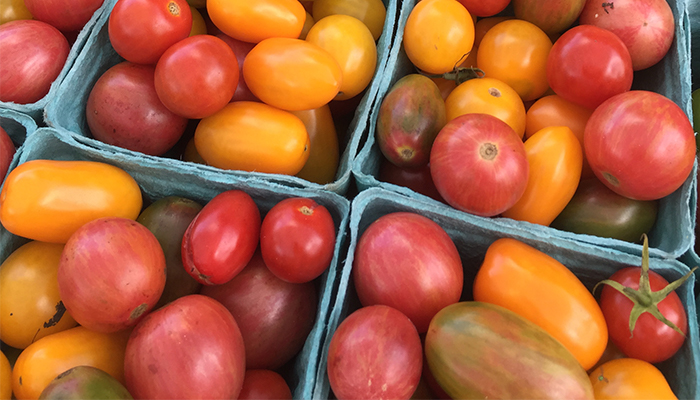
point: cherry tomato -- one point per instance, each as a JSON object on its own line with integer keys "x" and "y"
{"x": 324, "y": 153}
{"x": 241, "y": 49}
{"x": 371, "y": 12}
{"x": 11, "y": 10}
{"x": 254, "y": 21}
{"x": 66, "y": 16}
{"x": 483, "y": 25}
{"x": 199, "y": 25}
{"x": 515, "y": 52}
{"x": 297, "y": 239}
{"x": 482, "y": 8}
{"x": 5, "y": 378}
{"x": 629, "y": 379}
{"x": 308, "y": 23}
{"x": 438, "y": 35}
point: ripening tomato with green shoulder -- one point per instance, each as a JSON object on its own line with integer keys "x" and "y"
{"x": 324, "y": 153}
{"x": 630, "y": 379}
{"x": 541, "y": 289}
{"x": 48, "y": 200}
{"x": 254, "y": 21}
{"x": 371, "y": 12}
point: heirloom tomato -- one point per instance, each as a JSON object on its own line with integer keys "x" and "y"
{"x": 7, "y": 152}
{"x": 630, "y": 379}
{"x": 11, "y": 10}
{"x": 85, "y": 382}
{"x": 254, "y": 21}
{"x": 371, "y": 12}
{"x": 264, "y": 384}
{"x": 324, "y": 153}
{"x": 66, "y": 16}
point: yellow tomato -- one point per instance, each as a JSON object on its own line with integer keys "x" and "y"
{"x": 487, "y": 96}
{"x": 292, "y": 74}
{"x": 253, "y": 136}
{"x": 630, "y": 379}
{"x": 48, "y": 200}
{"x": 190, "y": 154}
{"x": 11, "y": 10}
{"x": 308, "y": 23}
{"x": 555, "y": 158}
{"x": 5, "y": 378}
{"x": 31, "y": 304}
{"x": 371, "y": 12}
{"x": 438, "y": 35}
{"x": 253, "y": 21}
{"x": 199, "y": 27}
{"x": 323, "y": 152}
{"x": 49, "y": 356}
{"x": 350, "y": 43}
{"x": 516, "y": 51}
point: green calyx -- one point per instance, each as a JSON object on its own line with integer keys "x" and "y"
{"x": 459, "y": 74}
{"x": 644, "y": 299}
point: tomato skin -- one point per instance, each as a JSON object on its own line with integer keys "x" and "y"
{"x": 264, "y": 384}
{"x": 253, "y": 136}
{"x": 485, "y": 8}
{"x": 324, "y": 153}
{"x": 371, "y": 12}
{"x": 629, "y": 379}
{"x": 5, "y": 378}
{"x": 13, "y": 10}
{"x": 241, "y": 50}
{"x": 7, "y": 152}
{"x": 80, "y": 191}
{"x": 31, "y": 303}
{"x": 555, "y": 159}
{"x": 66, "y": 16}
{"x": 534, "y": 285}
{"x": 255, "y": 21}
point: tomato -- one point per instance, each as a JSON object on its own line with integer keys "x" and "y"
{"x": 199, "y": 26}
{"x": 483, "y": 25}
{"x": 587, "y": 65}
{"x": 264, "y": 384}
{"x": 141, "y": 30}
{"x": 487, "y": 96}
{"x": 66, "y": 16}
{"x": 49, "y": 356}
{"x": 640, "y": 144}
{"x": 5, "y": 378}
{"x": 438, "y": 35}
{"x": 417, "y": 179}
{"x": 254, "y": 21}
{"x": 190, "y": 87}
{"x": 190, "y": 153}
{"x": 34, "y": 54}
{"x": 482, "y": 8}
{"x": 31, "y": 303}
{"x": 350, "y": 42}
{"x": 241, "y": 49}
{"x": 515, "y": 52}
{"x": 555, "y": 158}
{"x": 85, "y": 382}
{"x": 7, "y": 152}
{"x": 292, "y": 74}
{"x": 11, "y": 10}
{"x": 630, "y": 379}
{"x": 371, "y": 12}
{"x": 79, "y": 191}
{"x": 324, "y": 153}
{"x": 253, "y": 136}
{"x": 553, "y": 17}
{"x": 308, "y": 23}
{"x": 534, "y": 285}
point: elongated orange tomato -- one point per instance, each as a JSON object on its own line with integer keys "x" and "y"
{"x": 292, "y": 74}
{"x": 254, "y": 21}
{"x": 539, "y": 288}
{"x": 371, "y": 12}
{"x": 324, "y": 152}
{"x": 556, "y": 158}
{"x": 630, "y": 379}
{"x": 48, "y": 200}
{"x": 49, "y": 356}
{"x": 251, "y": 136}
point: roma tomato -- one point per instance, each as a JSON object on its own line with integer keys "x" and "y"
{"x": 324, "y": 153}
{"x": 438, "y": 35}
{"x": 515, "y": 52}
{"x": 31, "y": 303}
{"x": 371, "y": 12}
{"x": 548, "y": 294}
{"x": 79, "y": 192}
{"x": 253, "y": 136}
{"x": 587, "y": 65}
{"x": 292, "y": 74}
{"x": 191, "y": 88}
{"x": 254, "y": 21}
{"x": 264, "y": 384}
{"x": 555, "y": 159}
{"x": 640, "y": 144}
{"x": 13, "y": 10}
{"x": 66, "y": 16}
{"x": 49, "y": 356}
{"x": 630, "y": 379}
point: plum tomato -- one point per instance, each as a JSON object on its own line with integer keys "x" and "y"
{"x": 371, "y": 12}
{"x": 254, "y": 21}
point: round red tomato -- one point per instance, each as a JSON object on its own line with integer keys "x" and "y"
{"x": 297, "y": 239}
{"x": 197, "y": 76}
{"x": 264, "y": 384}
{"x": 141, "y": 30}
{"x": 587, "y": 65}
{"x": 67, "y": 16}
{"x": 7, "y": 152}
{"x": 482, "y": 8}
{"x": 241, "y": 50}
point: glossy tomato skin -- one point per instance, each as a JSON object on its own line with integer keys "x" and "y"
{"x": 7, "y": 152}
{"x": 548, "y": 294}
{"x": 652, "y": 340}
{"x": 66, "y": 16}
{"x": 241, "y": 50}
{"x": 587, "y": 65}
{"x": 371, "y": 12}
{"x": 632, "y": 167}
{"x": 324, "y": 151}
{"x": 5, "y": 378}
{"x": 34, "y": 53}
{"x": 485, "y": 8}
{"x": 375, "y": 353}
{"x": 629, "y": 378}
{"x": 254, "y": 21}
{"x": 264, "y": 384}
{"x": 552, "y": 18}
{"x": 13, "y": 10}
{"x": 190, "y": 87}
{"x": 297, "y": 239}
{"x": 141, "y": 30}
{"x": 222, "y": 238}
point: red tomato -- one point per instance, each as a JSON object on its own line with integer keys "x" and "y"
{"x": 587, "y": 65}
{"x": 297, "y": 239}
{"x": 194, "y": 88}
{"x": 416, "y": 179}
{"x": 254, "y": 21}
{"x": 141, "y": 30}
{"x": 64, "y": 15}
{"x": 482, "y": 8}
{"x": 241, "y": 50}
{"x": 264, "y": 384}
{"x": 7, "y": 151}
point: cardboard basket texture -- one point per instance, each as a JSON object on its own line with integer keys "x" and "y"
{"x": 694, "y": 13}
{"x": 36, "y": 110}
{"x": 672, "y": 234}
{"x": 473, "y": 235}
{"x": 67, "y": 108}
{"x": 18, "y": 126}
{"x": 157, "y": 181}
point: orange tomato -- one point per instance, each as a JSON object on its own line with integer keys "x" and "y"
{"x": 31, "y": 304}
{"x": 629, "y": 379}
{"x": 49, "y": 356}
{"x": 48, "y": 200}
{"x": 323, "y": 148}
{"x": 350, "y": 43}
{"x": 539, "y": 288}
{"x": 5, "y": 378}
{"x": 11, "y": 10}
{"x": 555, "y": 159}
{"x": 252, "y": 136}
{"x": 483, "y": 25}
{"x": 446, "y": 86}
{"x": 308, "y": 23}
{"x": 292, "y": 74}
{"x": 371, "y": 12}
{"x": 611, "y": 352}
{"x": 516, "y": 51}
{"x": 487, "y": 96}
{"x": 438, "y": 35}
{"x": 190, "y": 154}
{"x": 199, "y": 26}
{"x": 254, "y": 21}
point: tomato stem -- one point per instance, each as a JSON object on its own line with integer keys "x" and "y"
{"x": 459, "y": 74}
